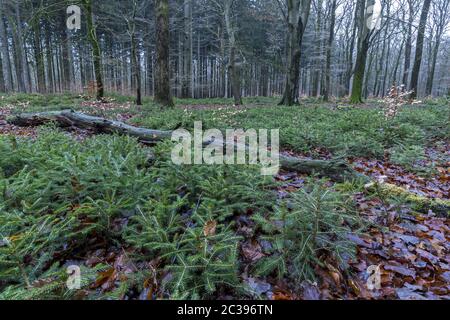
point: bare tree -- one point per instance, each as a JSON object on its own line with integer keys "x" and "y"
{"x": 365, "y": 32}
{"x": 329, "y": 50}
{"x": 440, "y": 19}
{"x": 419, "y": 49}
{"x": 296, "y": 18}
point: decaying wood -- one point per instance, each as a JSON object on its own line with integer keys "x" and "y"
{"x": 335, "y": 170}
{"x": 421, "y": 203}
{"x": 68, "y": 118}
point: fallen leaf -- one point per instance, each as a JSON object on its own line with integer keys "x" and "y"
{"x": 210, "y": 228}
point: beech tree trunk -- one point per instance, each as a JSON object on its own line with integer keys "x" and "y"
{"x": 135, "y": 56}
{"x": 234, "y": 66}
{"x": 430, "y": 78}
{"x": 363, "y": 48}
{"x": 419, "y": 49}
{"x": 297, "y": 19}
{"x": 19, "y": 59}
{"x": 329, "y": 51}
{"x": 408, "y": 45}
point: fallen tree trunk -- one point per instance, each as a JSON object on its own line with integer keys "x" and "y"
{"x": 68, "y": 118}
{"x": 420, "y": 203}
{"x": 335, "y": 170}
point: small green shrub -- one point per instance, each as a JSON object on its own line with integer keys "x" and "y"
{"x": 312, "y": 221}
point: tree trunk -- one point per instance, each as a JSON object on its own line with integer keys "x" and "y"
{"x": 162, "y": 73}
{"x": 135, "y": 56}
{"x": 2, "y": 78}
{"x": 4, "y": 51}
{"x": 234, "y": 65}
{"x": 408, "y": 45}
{"x": 297, "y": 19}
{"x": 186, "y": 91}
{"x": 363, "y": 48}
{"x": 327, "y": 94}
{"x": 38, "y": 53}
{"x": 20, "y": 65}
{"x": 430, "y": 78}
{"x": 349, "y": 54}
{"x": 96, "y": 52}
{"x": 419, "y": 49}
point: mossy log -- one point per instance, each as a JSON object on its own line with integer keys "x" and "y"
{"x": 420, "y": 203}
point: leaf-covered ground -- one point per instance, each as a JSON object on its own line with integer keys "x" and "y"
{"x": 117, "y": 204}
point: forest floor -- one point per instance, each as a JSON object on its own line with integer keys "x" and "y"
{"x": 290, "y": 237}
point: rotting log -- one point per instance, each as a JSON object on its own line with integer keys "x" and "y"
{"x": 68, "y": 118}
{"x": 420, "y": 203}
{"x": 334, "y": 169}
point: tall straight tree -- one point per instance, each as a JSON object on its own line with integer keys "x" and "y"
{"x": 329, "y": 50}
{"x": 234, "y": 67}
{"x": 96, "y": 52}
{"x": 37, "y": 46}
{"x": 297, "y": 19}
{"x": 162, "y": 71}
{"x": 365, "y": 23}
{"x": 419, "y": 48}
{"x": 408, "y": 45}
{"x": 441, "y": 18}
{"x": 4, "y": 51}
{"x": 18, "y": 49}
{"x": 2, "y": 78}
{"x": 186, "y": 91}
{"x": 131, "y": 24}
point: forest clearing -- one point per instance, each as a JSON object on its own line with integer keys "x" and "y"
{"x": 97, "y": 101}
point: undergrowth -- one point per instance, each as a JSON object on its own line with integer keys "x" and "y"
{"x": 312, "y": 222}
{"x": 58, "y": 195}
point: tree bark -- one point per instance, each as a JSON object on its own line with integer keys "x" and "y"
{"x": 162, "y": 73}
{"x": 430, "y": 79}
{"x": 4, "y": 51}
{"x": 297, "y": 19}
{"x": 2, "y": 79}
{"x": 135, "y": 56}
{"x": 419, "y": 49}
{"x": 363, "y": 48}
{"x": 327, "y": 94}
{"x": 408, "y": 45}
{"x": 234, "y": 67}
{"x": 96, "y": 52}
{"x": 186, "y": 91}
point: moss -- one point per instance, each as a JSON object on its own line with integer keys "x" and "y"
{"x": 420, "y": 203}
